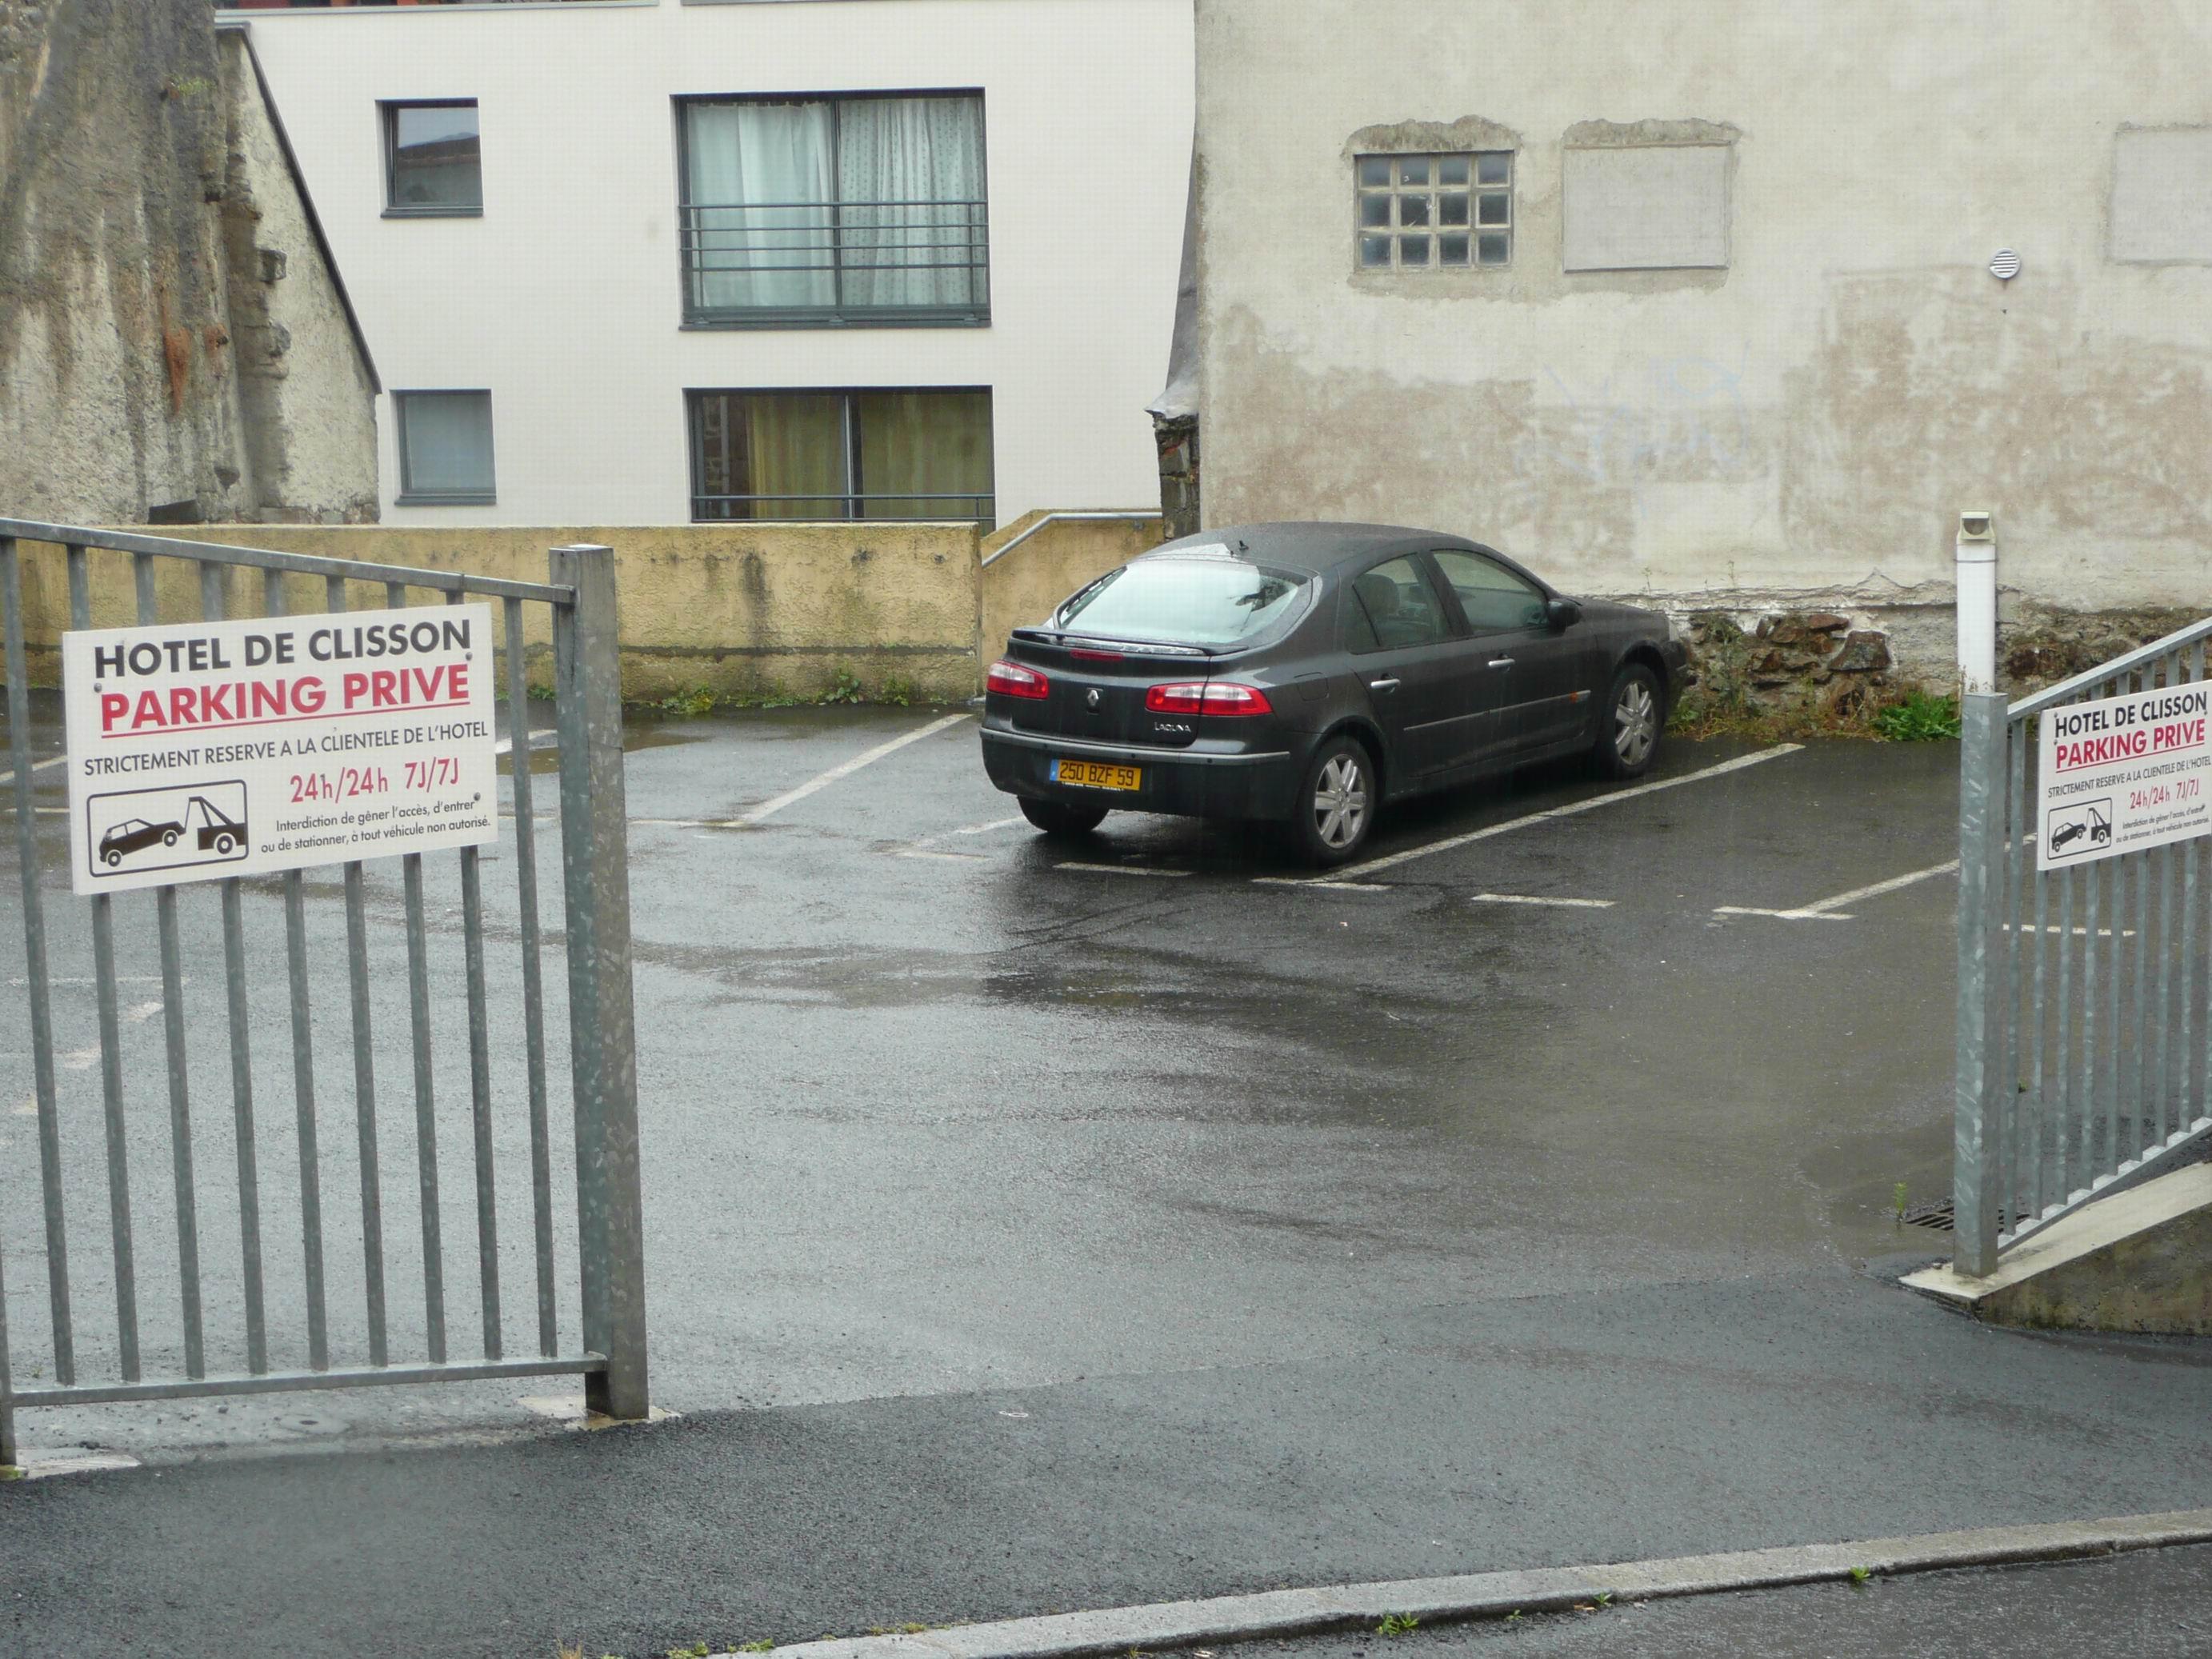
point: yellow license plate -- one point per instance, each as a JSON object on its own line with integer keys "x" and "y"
{"x": 1096, "y": 774}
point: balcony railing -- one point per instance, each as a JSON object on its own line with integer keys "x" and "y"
{"x": 887, "y": 507}
{"x": 831, "y": 264}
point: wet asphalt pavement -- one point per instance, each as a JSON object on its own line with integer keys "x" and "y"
{"x": 1025, "y": 1237}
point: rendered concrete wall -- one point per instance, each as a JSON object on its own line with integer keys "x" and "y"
{"x": 739, "y": 610}
{"x": 1025, "y": 586}
{"x": 139, "y": 182}
{"x": 1800, "y": 428}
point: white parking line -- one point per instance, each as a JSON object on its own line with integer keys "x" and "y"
{"x": 1315, "y": 881}
{"x": 914, "y": 848}
{"x": 956, "y": 858}
{"x": 35, "y": 766}
{"x": 843, "y": 769}
{"x": 2079, "y": 932}
{"x": 1830, "y": 910}
{"x": 1572, "y": 807}
{"x": 1119, "y": 869}
{"x": 1530, "y": 898}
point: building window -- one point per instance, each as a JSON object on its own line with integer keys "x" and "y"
{"x": 445, "y": 448}
{"x": 862, "y": 454}
{"x": 430, "y": 159}
{"x": 1435, "y": 212}
{"x": 823, "y": 211}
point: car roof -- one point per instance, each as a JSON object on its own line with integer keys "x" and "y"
{"x": 1313, "y": 545}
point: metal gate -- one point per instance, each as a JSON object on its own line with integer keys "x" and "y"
{"x": 2085, "y": 1038}
{"x": 344, "y": 1324}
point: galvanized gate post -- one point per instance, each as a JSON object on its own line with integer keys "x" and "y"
{"x": 602, "y": 1041}
{"x": 1982, "y": 832}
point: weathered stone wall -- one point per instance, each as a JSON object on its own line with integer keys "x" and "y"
{"x": 1795, "y": 428}
{"x": 307, "y": 395}
{"x": 136, "y": 179}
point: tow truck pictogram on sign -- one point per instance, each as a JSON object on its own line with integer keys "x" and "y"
{"x": 2080, "y": 829}
{"x": 131, "y": 832}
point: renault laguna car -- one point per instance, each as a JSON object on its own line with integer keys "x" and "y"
{"x": 1305, "y": 674}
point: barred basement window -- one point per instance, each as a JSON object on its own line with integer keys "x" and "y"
{"x": 1435, "y": 212}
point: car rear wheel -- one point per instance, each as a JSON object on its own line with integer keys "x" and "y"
{"x": 1055, "y": 818}
{"x": 168, "y": 838}
{"x": 1336, "y": 803}
{"x": 1628, "y": 731}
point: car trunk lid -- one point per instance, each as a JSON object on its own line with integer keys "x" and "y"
{"x": 1095, "y": 690}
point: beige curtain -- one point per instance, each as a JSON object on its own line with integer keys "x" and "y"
{"x": 932, "y": 444}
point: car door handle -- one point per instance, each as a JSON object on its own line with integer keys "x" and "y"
{"x": 1501, "y": 662}
{"x": 1382, "y": 685}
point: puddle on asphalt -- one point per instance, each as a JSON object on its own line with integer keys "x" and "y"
{"x": 636, "y": 735}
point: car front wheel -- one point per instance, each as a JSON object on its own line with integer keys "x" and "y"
{"x": 1055, "y": 818}
{"x": 1335, "y": 805}
{"x": 1628, "y": 731}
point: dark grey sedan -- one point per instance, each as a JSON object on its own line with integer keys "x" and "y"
{"x": 1304, "y": 674}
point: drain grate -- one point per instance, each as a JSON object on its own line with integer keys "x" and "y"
{"x": 1939, "y": 1218}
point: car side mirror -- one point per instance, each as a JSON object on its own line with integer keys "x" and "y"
{"x": 1562, "y": 614}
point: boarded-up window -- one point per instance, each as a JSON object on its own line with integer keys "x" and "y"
{"x": 1655, "y": 207}
{"x": 2162, "y": 195}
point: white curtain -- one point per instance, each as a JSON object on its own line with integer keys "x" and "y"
{"x": 910, "y": 174}
{"x": 762, "y": 181}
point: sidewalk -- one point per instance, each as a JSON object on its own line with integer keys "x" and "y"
{"x": 1546, "y": 1431}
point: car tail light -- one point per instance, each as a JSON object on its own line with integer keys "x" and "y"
{"x": 1081, "y": 655}
{"x": 1012, "y": 680}
{"x": 1204, "y": 697}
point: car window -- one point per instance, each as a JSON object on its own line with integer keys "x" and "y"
{"x": 1399, "y": 607}
{"x": 1192, "y": 601}
{"x": 1496, "y": 600}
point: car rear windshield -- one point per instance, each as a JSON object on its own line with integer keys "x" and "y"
{"x": 1202, "y": 600}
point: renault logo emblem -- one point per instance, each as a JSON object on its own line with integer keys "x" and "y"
{"x": 1090, "y": 698}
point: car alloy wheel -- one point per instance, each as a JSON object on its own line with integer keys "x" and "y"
{"x": 1340, "y": 802}
{"x": 1635, "y": 723}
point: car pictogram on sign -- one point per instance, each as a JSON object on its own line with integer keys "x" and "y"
{"x": 135, "y": 834}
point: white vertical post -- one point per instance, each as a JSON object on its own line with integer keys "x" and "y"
{"x": 1977, "y": 567}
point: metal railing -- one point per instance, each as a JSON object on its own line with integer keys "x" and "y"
{"x": 871, "y": 261}
{"x": 339, "y": 947}
{"x": 1123, "y": 515}
{"x": 2084, "y": 1035}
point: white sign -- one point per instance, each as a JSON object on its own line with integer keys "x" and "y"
{"x": 204, "y": 750}
{"x": 2123, "y": 773}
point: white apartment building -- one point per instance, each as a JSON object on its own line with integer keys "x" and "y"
{"x": 659, "y": 261}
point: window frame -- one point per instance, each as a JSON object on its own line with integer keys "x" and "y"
{"x": 835, "y": 315}
{"x": 1467, "y": 627}
{"x": 387, "y": 117}
{"x": 695, "y": 442}
{"x": 408, "y": 495}
{"x": 1440, "y": 595}
{"x": 1433, "y": 230}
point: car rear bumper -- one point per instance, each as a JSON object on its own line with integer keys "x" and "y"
{"x": 1190, "y": 783}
